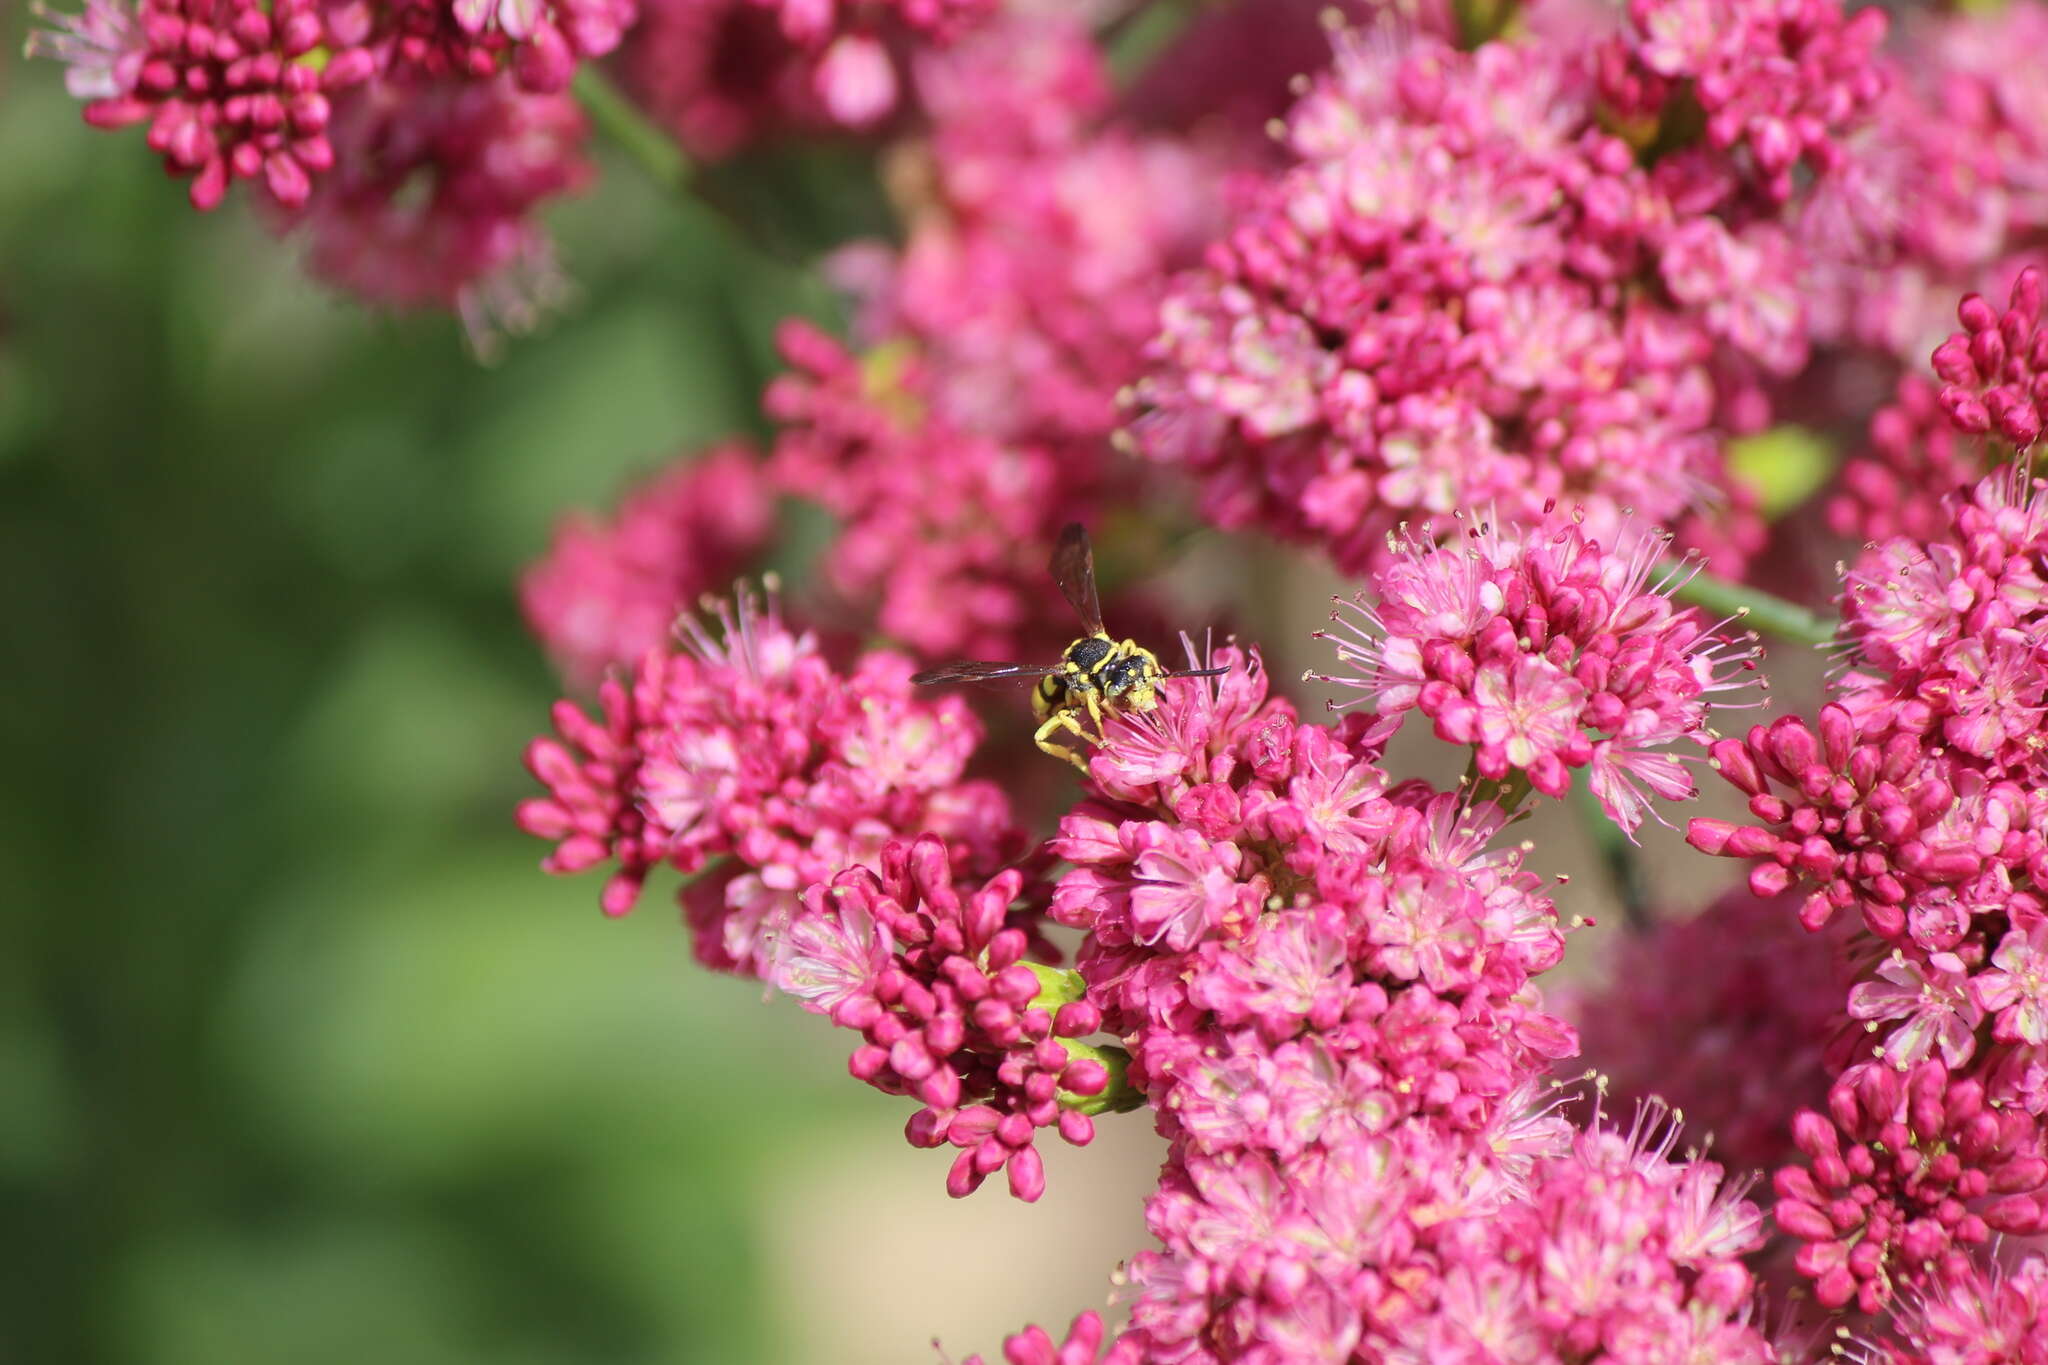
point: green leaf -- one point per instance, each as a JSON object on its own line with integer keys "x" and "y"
{"x": 1783, "y": 466}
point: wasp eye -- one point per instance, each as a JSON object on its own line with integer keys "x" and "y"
{"x": 1089, "y": 652}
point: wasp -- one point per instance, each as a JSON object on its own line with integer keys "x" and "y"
{"x": 1096, "y": 677}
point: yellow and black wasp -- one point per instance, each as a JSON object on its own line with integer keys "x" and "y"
{"x": 1097, "y": 676}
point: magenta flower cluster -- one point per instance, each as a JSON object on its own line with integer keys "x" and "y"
{"x": 411, "y": 138}
{"x": 748, "y": 746}
{"x": 1915, "y": 800}
{"x": 1545, "y": 654}
{"x": 1469, "y": 289}
{"x": 934, "y": 978}
{"x": 234, "y": 90}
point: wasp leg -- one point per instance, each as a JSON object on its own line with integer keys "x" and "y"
{"x": 1071, "y": 723}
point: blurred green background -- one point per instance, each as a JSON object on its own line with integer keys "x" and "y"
{"x": 302, "y": 1058}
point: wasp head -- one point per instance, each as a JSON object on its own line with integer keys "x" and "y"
{"x": 1131, "y": 680}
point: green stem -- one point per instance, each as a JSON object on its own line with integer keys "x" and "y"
{"x": 670, "y": 169}
{"x": 1758, "y": 609}
{"x": 1617, "y": 855}
{"x": 1506, "y": 792}
{"x": 1136, "y": 38}
{"x": 653, "y": 150}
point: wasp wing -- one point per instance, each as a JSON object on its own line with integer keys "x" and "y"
{"x": 982, "y": 670}
{"x": 1073, "y": 568}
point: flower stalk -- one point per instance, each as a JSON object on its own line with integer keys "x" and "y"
{"x": 1758, "y": 609}
{"x": 649, "y": 148}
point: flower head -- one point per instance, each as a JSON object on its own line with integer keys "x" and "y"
{"x": 1907, "y": 1173}
{"x": 231, "y": 89}
{"x": 1545, "y": 652}
{"x": 751, "y": 747}
{"x": 1995, "y": 371}
{"x": 933, "y": 976}
{"x": 1428, "y": 309}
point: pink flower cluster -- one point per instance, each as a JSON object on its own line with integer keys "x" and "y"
{"x": 1906, "y": 1174}
{"x": 1919, "y": 800}
{"x": 230, "y": 89}
{"x": 1469, "y": 289}
{"x": 944, "y": 531}
{"x": 1938, "y": 192}
{"x": 237, "y": 90}
{"x": 1325, "y": 983}
{"x": 934, "y": 978}
{"x": 1995, "y": 370}
{"x": 1978, "y": 1314}
{"x": 974, "y": 423}
{"x": 749, "y": 748}
{"x": 1544, "y": 653}
{"x": 1608, "y": 1250}
{"x": 413, "y": 137}
{"x": 606, "y": 593}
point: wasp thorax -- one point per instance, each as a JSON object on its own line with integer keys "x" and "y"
{"x": 1085, "y": 654}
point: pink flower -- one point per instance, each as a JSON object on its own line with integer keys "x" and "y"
{"x": 1932, "y": 1004}
{"x": 1525, "y": 715}
{"x": 2016, "y": 989}
{"x": 932, "y": 975}
{"x": 1977, "y": 1313}
{"x": 1185, "y": 888}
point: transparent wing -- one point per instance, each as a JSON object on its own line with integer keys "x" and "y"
{"x": 982, "y": 670}
{"x": 1073, "y": 568}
